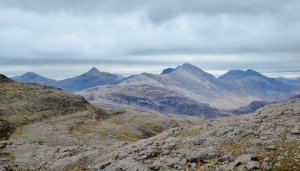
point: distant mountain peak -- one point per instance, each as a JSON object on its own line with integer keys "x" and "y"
{"x": 192, "y": 70}
{"x": 188, "y": 65}
{"x": 167, "y": 71}
{"x": 185, "y": 67}
{"x": 236, "y": 74}
{"x": 93, "y": 70}
{"x": 253, "y": 72}
{"x": 31, "y": 75}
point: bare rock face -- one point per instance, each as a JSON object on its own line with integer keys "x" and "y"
{"x": 203, "y": 154}
{"x": 244, "y": 161}
{"x": 126, "y": 164}
{"x": 263, "y": 140}
{"x": 296, "y": 129}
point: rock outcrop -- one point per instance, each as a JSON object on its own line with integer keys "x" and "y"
{"x": 265, "y": 140}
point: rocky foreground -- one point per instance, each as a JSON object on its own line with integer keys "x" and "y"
{"x": 43, "y": 128}
{"x": 265, "y": 140}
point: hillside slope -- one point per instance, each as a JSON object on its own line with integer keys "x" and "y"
{"x": 149, "y": 97}
{"x": 22, "y": 103}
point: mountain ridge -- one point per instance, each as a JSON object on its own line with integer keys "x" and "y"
{"x": 234, "y": 90}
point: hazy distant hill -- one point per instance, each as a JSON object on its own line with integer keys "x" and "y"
{"x": 87, "y": 80}
{"x": 31, "y": 77}
{"x": 253, "y": 83}
{"x": 290, "y": 80}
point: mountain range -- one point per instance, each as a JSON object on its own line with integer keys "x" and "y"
{"x": 188, "y": 90}
{"x": 185, "y": 90}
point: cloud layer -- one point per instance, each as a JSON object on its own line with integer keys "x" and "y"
{"x": 232, "y": 34}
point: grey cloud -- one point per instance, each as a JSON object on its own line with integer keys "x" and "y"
{"x": 57, "y": 32}
{"x": 158, "y": 10}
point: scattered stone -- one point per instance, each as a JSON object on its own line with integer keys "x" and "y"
{"x": 79, "y": 122}
{"x": 20, "y": 142}
{"x": 98, "y": 167}
{"x": 191, "y": 165}
{"x": 126, "y": 165}
{"x": 266, "y": 165}
{"x": 252, "y": 165}
{"x": 245, "y": 159}
{"x": 225, "y": 157}
{"x": 121, "y": 156}
{"x": 3, "y": 144}
{"x": 203, "y": 154}
{"x": 156, "y": 165}
{"x": 271, "y": 148}
{"x": 296, "y": 129}
{"x": 198, "y": 141}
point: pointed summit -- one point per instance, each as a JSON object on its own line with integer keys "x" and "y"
{"x": 93, "y": 70}
{"x": 91, "y": 78}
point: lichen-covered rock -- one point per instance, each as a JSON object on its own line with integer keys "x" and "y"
{"x": 247, "y": 159}
{"x": 203, "y": 154}
{"x": 125, "y": 165}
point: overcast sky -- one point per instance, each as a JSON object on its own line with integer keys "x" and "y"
{"x": 63, "y": 38}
